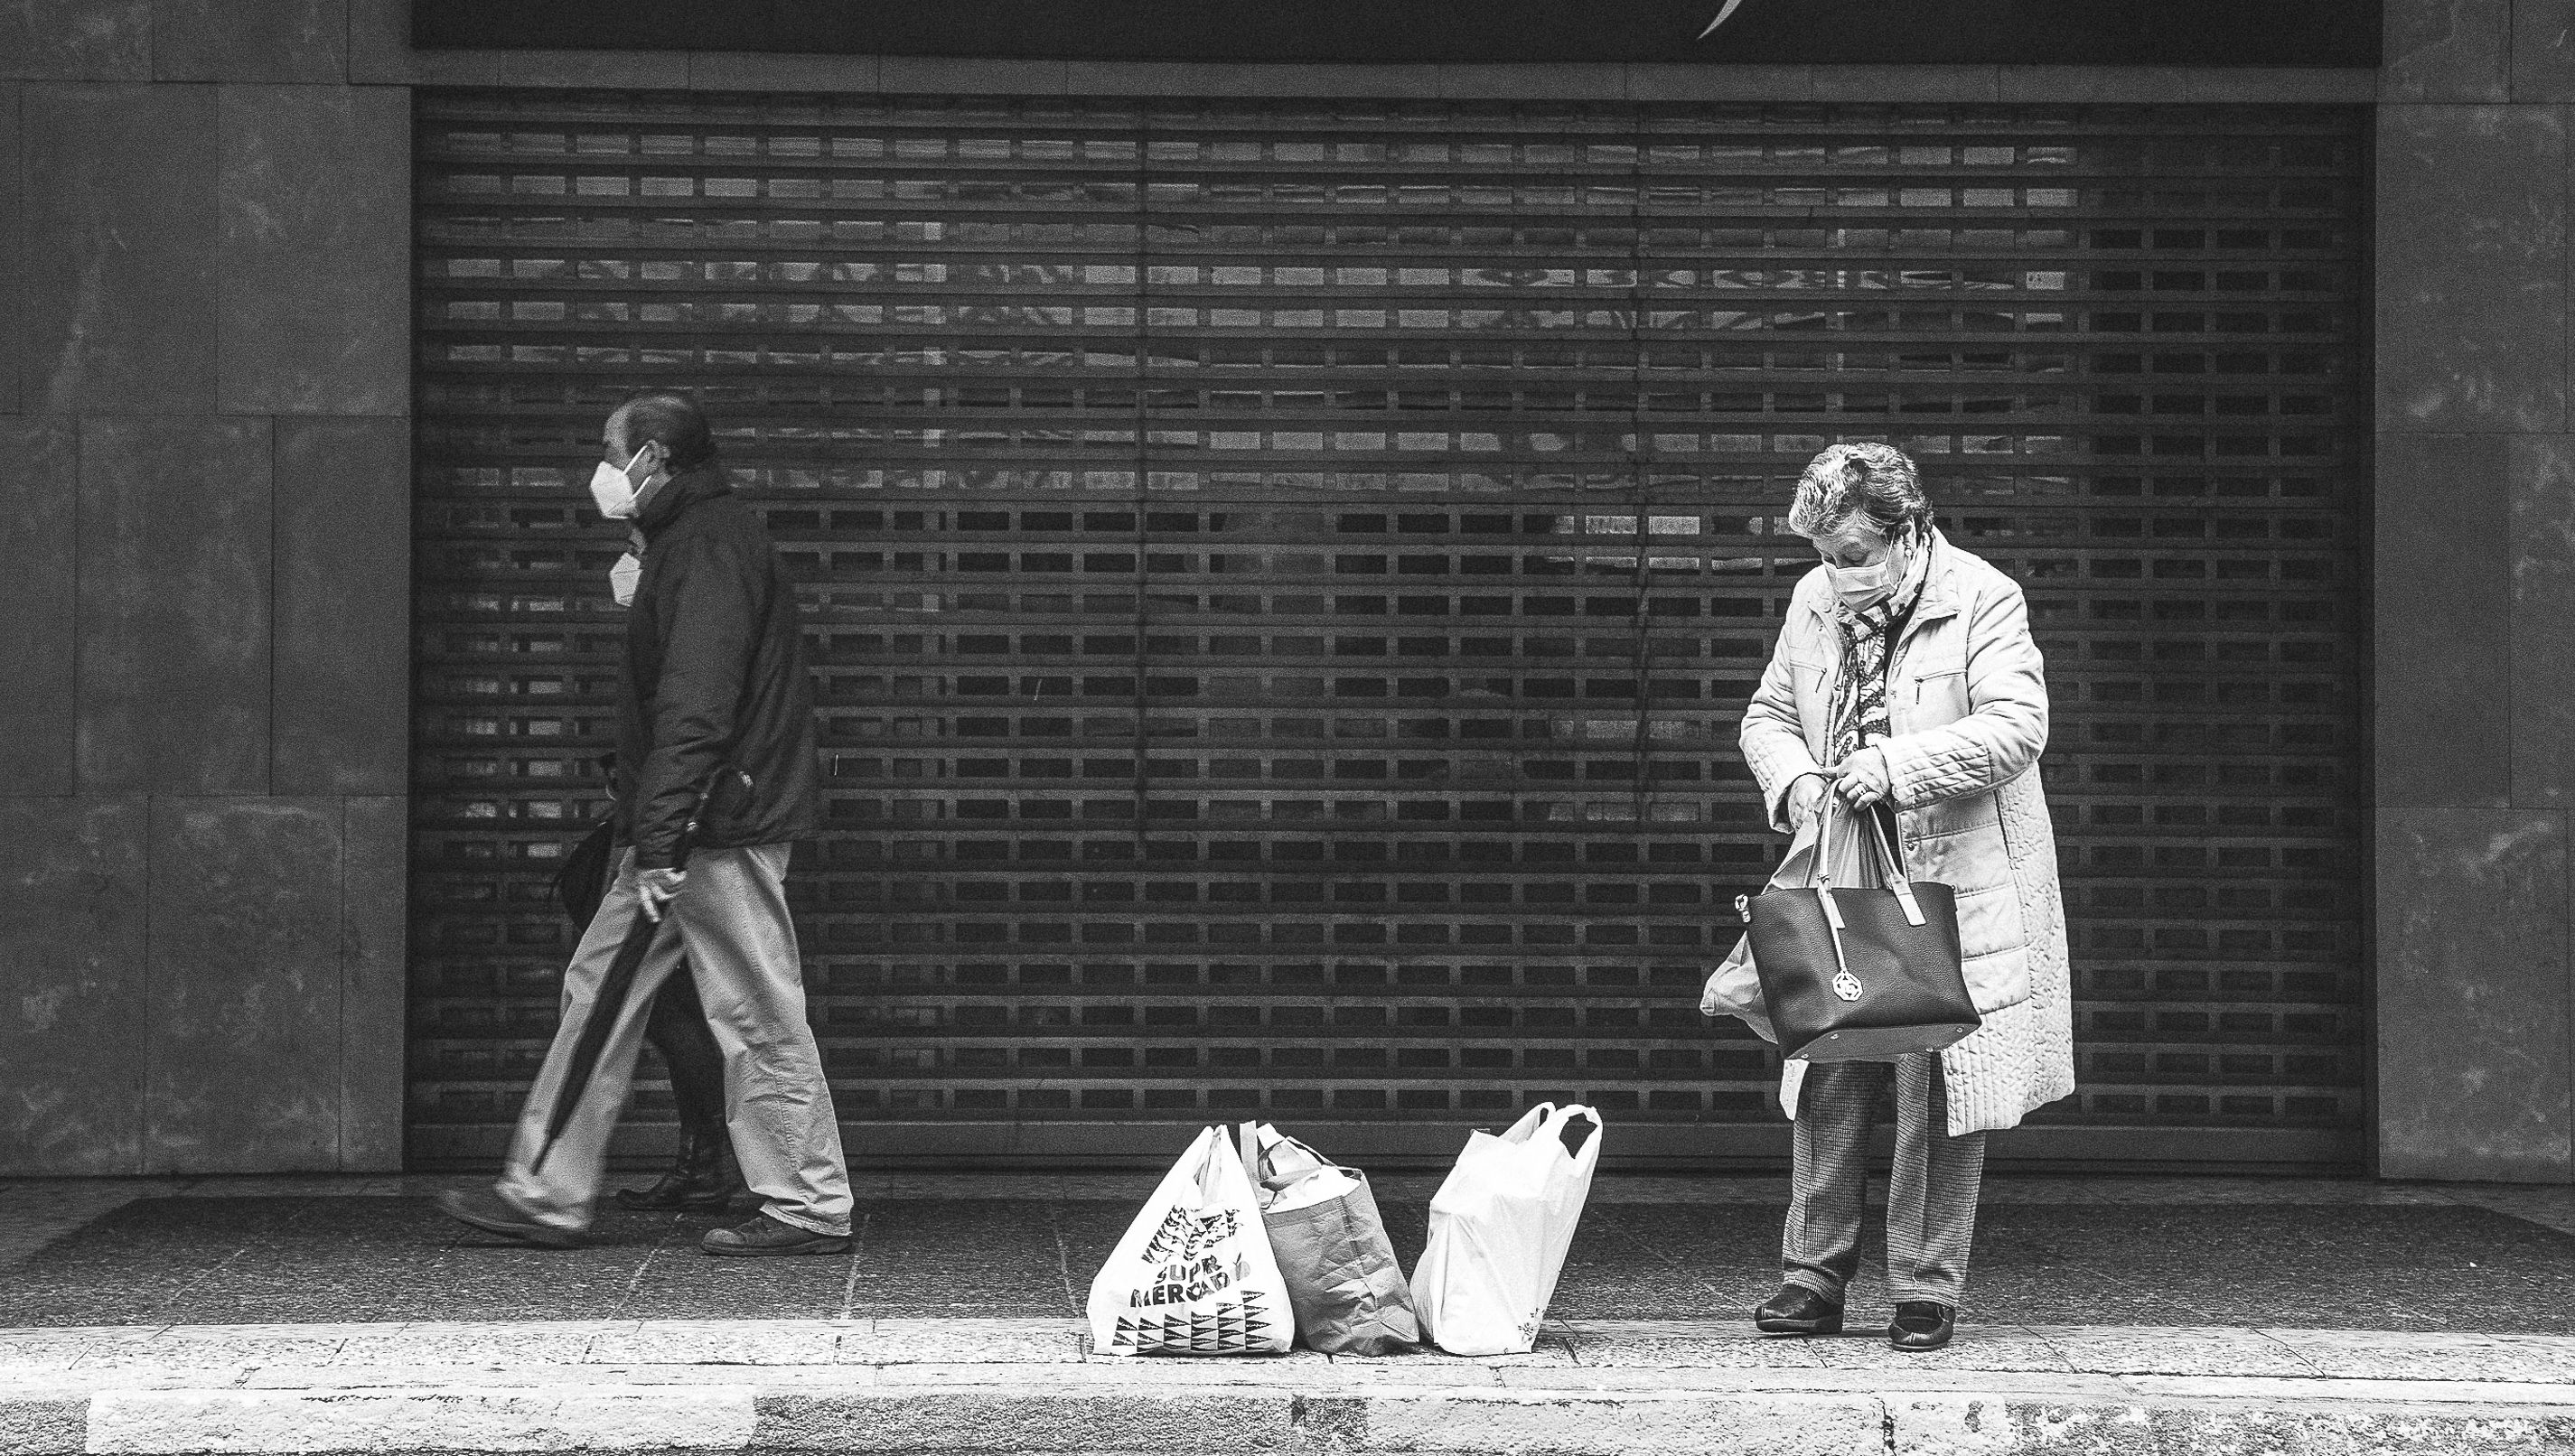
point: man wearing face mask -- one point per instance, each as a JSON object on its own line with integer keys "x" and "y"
{"x": 714, "y": 678}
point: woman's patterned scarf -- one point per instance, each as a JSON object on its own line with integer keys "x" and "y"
{"x": 1869, "y": 636}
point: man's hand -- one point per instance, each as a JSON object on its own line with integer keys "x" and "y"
{"x": 1805, "y": 797}
{"x": 1864, "y": 778}
{"x": 657, "y": 888}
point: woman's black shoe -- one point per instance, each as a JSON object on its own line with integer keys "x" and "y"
{"x": 1798, "y": 1310}
{"x": 702, "y": 1180}
{"x": 1921, "y": 1326}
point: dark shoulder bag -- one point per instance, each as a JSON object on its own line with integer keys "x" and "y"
{"x": 581, "y": 880}
{"x": 1860, "y": 975}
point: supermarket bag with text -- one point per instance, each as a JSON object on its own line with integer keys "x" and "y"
{"x": 1499, "y": 1230}
{"x": 1194, "y": 1274}
{"x": 1349, "y": 1293}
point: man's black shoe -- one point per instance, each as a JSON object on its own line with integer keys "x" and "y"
{"x": 761, "y": 1235}
{"x": 492, "y": 1213}
{"x": 701, "y": 1180}
{"x": 1798, "y": 1310}
{"x": 1921, "y": 1326}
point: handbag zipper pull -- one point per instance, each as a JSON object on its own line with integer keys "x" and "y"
{"x": 1832, "y": 912}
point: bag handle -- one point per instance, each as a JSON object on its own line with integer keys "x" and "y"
{"x": 1249, "y": 1151}
{"x": 1897, "y": 880}
{"x": 1820, "y": 874}
{"x": 1891, "y": 868}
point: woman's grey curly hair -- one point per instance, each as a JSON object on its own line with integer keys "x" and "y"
{"x": 1847, "y": 482}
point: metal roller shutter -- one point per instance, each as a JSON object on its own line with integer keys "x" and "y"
{"x": 1285, "y": 576}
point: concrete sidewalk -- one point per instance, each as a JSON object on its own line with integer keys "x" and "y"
{"x": 951, "y": 1330}
{"x": 1006, "y": 1386}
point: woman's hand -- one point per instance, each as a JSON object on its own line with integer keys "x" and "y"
{"x": 1864, "y": 778}
{"x": 1806, "y": 797}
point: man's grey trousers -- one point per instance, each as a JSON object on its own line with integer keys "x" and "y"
{"x": 1930, "y": 1196}
{"x": 729, "y": 922}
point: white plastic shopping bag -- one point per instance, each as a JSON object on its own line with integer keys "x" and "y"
{"x": 1499, "y": 1230}
{"x": 1194, "y": 1275}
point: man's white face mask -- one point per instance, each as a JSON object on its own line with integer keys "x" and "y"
{"x": 623, "y": 577}
{"x": 614, "y": 489}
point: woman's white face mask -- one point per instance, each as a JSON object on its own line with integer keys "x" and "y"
{"x": 614, "y": 489}
{"x": 1864, "y": 585}
{"x": 623, "y": 577}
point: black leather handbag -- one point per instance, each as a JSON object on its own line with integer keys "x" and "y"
{"x": 1859, "y": 974}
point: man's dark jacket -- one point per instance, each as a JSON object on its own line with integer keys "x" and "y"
{"x": 714, "y": 676}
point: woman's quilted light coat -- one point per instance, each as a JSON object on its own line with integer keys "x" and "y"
{"x": 1968, "y": 705}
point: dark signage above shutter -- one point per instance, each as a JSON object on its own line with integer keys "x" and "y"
{"x": 1753, "y": 32}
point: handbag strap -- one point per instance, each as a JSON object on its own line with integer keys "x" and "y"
{"x": 1890, "y": 867}
{"x": 1819, "y": 875}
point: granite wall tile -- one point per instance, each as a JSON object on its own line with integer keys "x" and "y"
{"x": 304, "y": 41}
{"x": 76, "y": 40}
{"x": 174, "y": 606}
{"x": 2445, "y": 50}
{"x": 73, "y": 871}
{"x": 2473, "y": 1058}
{"x": 315, "y": 251}
{"x": 243, "y": 1065}
{"x": 2542, "y": 485}
{"x": 755, "y": 71}
{"x": 2471, "y": 268}
{"x": 374, "y": 969}
{"x": 13, "y": 225}
{"x": 341, "y": 640}
{"x": 39, "y": 523}
{"x": 2543, "y": 51}
{"x": 379, "y": 52}
{"x": 2444, "y": 603}
{"x": 120, "y": 233}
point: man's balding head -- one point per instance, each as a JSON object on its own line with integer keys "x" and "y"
{"x": 673, "y": 421}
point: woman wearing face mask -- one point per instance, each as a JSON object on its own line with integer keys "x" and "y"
{"x": 1906, "y": 682}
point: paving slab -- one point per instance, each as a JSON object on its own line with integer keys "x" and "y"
{"x": 196, "y": 1316}
{"x": 1678, "y": 1386}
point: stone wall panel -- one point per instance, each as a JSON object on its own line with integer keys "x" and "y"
{"x": 2471, "y": 268}
{"x": 13, "y": 261}
{"x": 2543, "y": 51}
{"x": 39, "y": 501}
{"x": 72, "y": 1039}
{"x": 2472, "y": 994}
{"x": 374, "y": 959}
{"x": 304, "y": 41}
{"x": 244, "y": 1066}
{"x": 174, "y": 567}
{"x": 120, "y": 249}
{"x": 313, "y": 275}
{"x": 2444, "y": 664}
{"x": 343, "y": 613}
{"x": 76, "y": 40}
{"x": 2446, "y": 50}
{"x": 2541, "y": 480}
